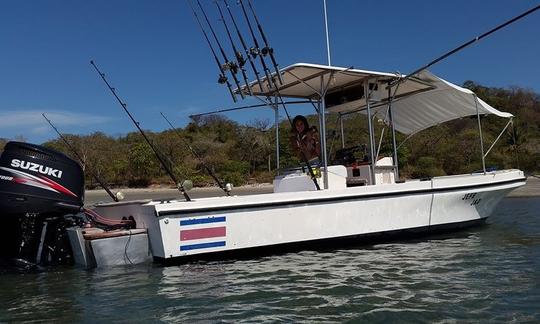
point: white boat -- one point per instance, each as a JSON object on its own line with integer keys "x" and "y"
{"x": 354, "y": 201}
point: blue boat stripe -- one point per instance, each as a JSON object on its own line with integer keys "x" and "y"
{"x": 202, "y": 220}
{"x": 201, "y": 246}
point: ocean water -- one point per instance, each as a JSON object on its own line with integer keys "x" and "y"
{"x": 485, "y": 274}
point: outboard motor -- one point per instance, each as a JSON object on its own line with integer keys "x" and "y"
{"x": 38, "y": 188}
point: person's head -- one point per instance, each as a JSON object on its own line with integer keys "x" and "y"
{"x": 300, "y": 124}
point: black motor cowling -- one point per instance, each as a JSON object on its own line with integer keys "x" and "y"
{"x": 38, "y": 187}
{"x": 36, "y": 179}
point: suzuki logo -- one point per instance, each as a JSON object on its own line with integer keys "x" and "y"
{"x": 31, "y": 166}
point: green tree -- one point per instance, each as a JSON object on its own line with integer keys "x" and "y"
{"x": 142, "y": 164}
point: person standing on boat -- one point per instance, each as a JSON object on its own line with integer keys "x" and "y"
{"x": 305, "y": 139}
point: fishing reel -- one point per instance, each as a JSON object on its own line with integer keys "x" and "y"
{"x": 240, "y": 59}
{"x": 222, "y": 79}
{"x": 254, "y": 52}
{"x": 267, "y": 50}
{"x": 231, "y": 66}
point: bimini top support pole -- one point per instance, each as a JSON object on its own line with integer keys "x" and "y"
{"x": 342, "y": 131}
{"x": 370, "y": 128}
{"x": 498, "y": 137}
{"x": 322, "y": 123}
{"x": 394, "y": 146}
{"x": 276, "y": 123}
{"x": 481, "y": 137}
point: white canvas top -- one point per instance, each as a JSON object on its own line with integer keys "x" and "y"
{"x": 420, "y": 102}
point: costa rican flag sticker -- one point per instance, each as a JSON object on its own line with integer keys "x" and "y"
{"x": 203, "y": 233}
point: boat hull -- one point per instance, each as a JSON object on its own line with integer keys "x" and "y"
{"x": 452, "y": 229}
{"x": 233, "y": 225}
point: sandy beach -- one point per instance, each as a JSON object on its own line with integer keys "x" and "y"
{"x": 93, "y": 196}
{"x": 531, "y": 189}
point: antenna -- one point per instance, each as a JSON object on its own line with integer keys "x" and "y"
{"x": 137, "y": 124}
{"x": 327, "y": 35}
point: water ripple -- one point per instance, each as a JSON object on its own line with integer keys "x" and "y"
{"x": 488, "y": 274}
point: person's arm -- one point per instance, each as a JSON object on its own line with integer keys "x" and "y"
{"x": 315, "y": 137}
{"x": 295, "y": 145}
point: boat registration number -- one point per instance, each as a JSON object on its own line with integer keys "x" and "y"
{"x": 469, "y": 196}
{"x": 472, "y": 196}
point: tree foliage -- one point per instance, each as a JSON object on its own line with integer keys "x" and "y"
{"x": 243, "y": 153}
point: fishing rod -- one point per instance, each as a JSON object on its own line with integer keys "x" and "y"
{"x": 94, "y": 175}
{"x": 222, "y": 77}
{"x": 255, "y": 51}
{"x": 198, "y": 157}
{"x": 229, "y": 65}
{"x": 137, "y": 124}
{"x": 466, "y": 44}
{"x": 241, "y": 61}
{"x": 302, "y": 154}
{"x": 245, "y": 107}
{"x": 244, "y": 46}
{"x": 271, "y": 104}
{"x": 266, "y": 50}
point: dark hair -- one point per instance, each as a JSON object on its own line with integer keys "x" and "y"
{"x": 303, "y": 119}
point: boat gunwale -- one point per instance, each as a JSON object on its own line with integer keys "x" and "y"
{"x": 409, "y": 192}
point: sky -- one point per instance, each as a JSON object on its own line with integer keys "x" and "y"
{"x": 155, "y": 55}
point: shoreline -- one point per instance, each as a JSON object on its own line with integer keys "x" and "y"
{"x": 531, "y": 189}
{"x": 166, "y": 188}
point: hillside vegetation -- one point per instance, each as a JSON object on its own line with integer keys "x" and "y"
{"x": 246, "y": 153}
